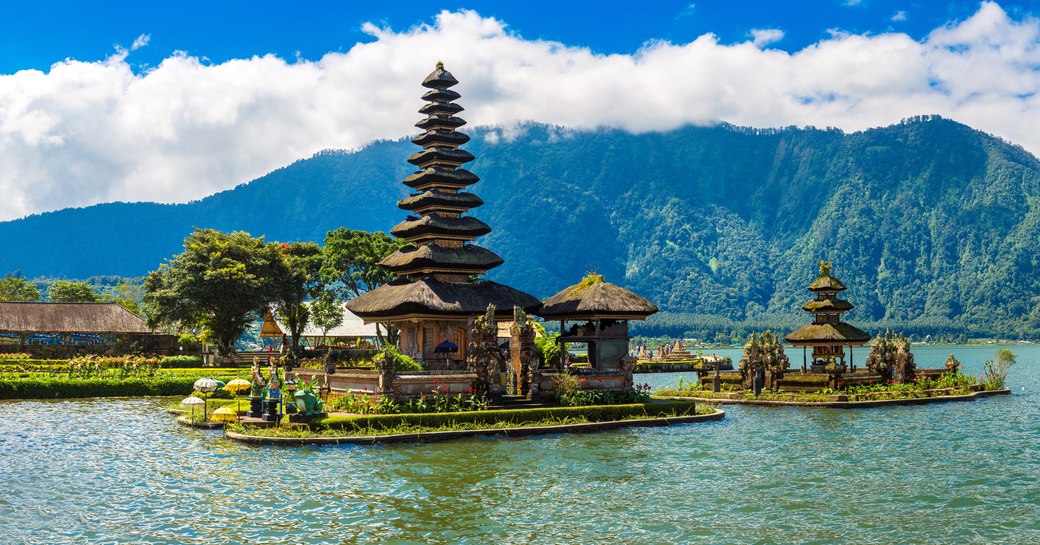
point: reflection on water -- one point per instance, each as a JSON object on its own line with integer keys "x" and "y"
{"x": 121, "y": 471}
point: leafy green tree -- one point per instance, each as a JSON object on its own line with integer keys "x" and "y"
{"x": 326, "y": 313}
{"x": 351, "y": 264}
{"x": 71, "y": 291}
{"x": 127, "y": 295}
{"x": 16, "y": 288}
{"x": 297, "y": 279}
{"x": 220, "y": 282}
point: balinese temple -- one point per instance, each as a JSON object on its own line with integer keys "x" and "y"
{"x": 596, "y": 313}
{"x": 439, "y": 291}
{"x": 828, "y": 335}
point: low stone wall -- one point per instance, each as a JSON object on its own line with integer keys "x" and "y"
{"x": 794, "y": 381}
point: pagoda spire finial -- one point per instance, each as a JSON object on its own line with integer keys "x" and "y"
{"x": 440, "y": 65}
{"x": 825, "y": 268}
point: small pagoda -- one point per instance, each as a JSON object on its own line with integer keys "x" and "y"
{"x": 439, "y": 291}
{"x": 828, "y": 335}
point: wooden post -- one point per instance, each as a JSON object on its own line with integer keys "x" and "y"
{"x": 805, "y": 358}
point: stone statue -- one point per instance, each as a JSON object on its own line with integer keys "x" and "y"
{"x": 274, "y": 385}
{"x": 256, "y": 386}
{"x": 953, "y": 365}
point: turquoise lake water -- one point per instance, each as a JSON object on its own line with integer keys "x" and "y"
{"x": 121, "y": 471}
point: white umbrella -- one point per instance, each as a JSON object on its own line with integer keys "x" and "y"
{"x": 206, "y": 385}
{"x": 193, "y": 401}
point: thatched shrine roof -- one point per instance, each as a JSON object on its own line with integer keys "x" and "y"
{"x": 69, "y": 318}
{"x": 429, "y": 297}
{"x": 440, "y": 155}
{"x": 440, "y": 122}
{"x": 441, "y": 177}
{"x": 439, "y": 78}
{"x": 826, "y": 283}
{"x": 466, "y": 228}
{"x": 440, "y": 108}
{"x": 436, "y": 198}
{"x": 594, "y": 298}
{"x": 834, "y": 333}
{"x": 468, "y": 259}
{"x": 440, "y": 95}
{"x": 441, "y": 138}
{"x": 828, "y": 306}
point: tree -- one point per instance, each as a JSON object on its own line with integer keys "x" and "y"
{"x": 16, "y": 288}
{"x": 127, "y": 295}
{"x": 326, "y": 313}
{"x": 351, "y": 264}
{"x": 297, "y": 279}
{"x": 220, "y": 282}
{"x": 71, "y": 291}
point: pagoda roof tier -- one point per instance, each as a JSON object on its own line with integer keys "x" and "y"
{"x": 431, "y": 298}
{"x": 835, "y": 333}
{"x": 827, "y": 283}
{"x": 441, "y": 95}
{"x": 431, "y": 177}
{"x": 440, "y": 108}
{"x": 430, "y": 258}
{"x": 595, "y": 299}
{"x": 828, "y": 306}
{"x": 436, "y": 227}
{"x": 436, "y": 199}
{"x": 439, "y": 78}
{"x": 441, "y": 138}
{"x": 440, "y": 121}
{"x": 440, "y": 156}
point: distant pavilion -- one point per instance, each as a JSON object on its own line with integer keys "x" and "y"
{"x": 828, "y": 335}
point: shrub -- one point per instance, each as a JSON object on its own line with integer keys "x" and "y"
{"x": 181, "y": 361}
{"x": 995, "y": 371}
{"x": 60, "y": 388}
{"x": 598, "y": 413}
{"x": 402, "y": 363}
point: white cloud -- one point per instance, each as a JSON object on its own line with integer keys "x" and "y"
{"x": 852, "y": 2}
{"x": 762, "y": 37}
{"x": 140, "y": 42}
{"x": 899, "y": 16}
{"x": 88, "y": 132}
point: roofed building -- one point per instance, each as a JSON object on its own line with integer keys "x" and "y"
{"x": 828, "y": 335}
{"x": 439, "y": 291}
{"x": 57, "y": 329}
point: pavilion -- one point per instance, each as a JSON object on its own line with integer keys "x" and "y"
{"x": 828, "y": 335}
{"x": 63, "y": 329}
{"x": 598, "y": 313}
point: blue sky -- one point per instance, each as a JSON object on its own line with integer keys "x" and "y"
{"x": 38, "y": 34}
{"x": 168, "y": 102}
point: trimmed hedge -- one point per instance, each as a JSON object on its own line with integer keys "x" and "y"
{"x": 63, "y": 388}
{"x": 593, "y": 413}
{"x": 182, "y": 362}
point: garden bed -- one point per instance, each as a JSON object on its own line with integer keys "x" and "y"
{"x": 59, "y": 387}
{"x": 838, "y": 401}
{"x": 372, "y": 429}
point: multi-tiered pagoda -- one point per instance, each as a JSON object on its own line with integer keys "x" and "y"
{"x": 828, "y": 335}
{"x": 439, "y": 291}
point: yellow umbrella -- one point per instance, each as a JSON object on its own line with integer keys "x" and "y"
{"x": 238, "y": 385}
{"x": 225, "y": 414}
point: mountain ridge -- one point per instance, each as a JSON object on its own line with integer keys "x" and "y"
{"x": 927, "y": 220}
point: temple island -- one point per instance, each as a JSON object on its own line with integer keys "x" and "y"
{"x": 830, "y": 376}
{"x": 461, "y": 344}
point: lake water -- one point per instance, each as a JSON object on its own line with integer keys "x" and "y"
{"x": 121, "y": 471}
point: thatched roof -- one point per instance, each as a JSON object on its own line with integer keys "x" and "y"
{"x": 440, "y": 121}
{"x": 436, "y": 198}
{"x": 826, "y": 283}
{"x": 440, "y": 95}
{"x": 839, "y": 332}
{"x": 441, "y": 138}
{"x": 439, "y": 78}
{"x": 441, "y": 177}
{"x": 440, "y": 155}
{"x": 828, "y": 306}
{"x": 432, "y": 298}
{"x": 440, "y": 108}
{"x": 466, "y": 227}
{"x": 594, "y": 298}
{"x": 469, "y": 258}
{"x": 69, "y": 318}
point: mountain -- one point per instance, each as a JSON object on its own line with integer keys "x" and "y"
{"x": 932, "y": 225}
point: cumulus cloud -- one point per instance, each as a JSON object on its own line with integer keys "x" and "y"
{"x": 762, "y": 37}
{"x": 88, "y": 132}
